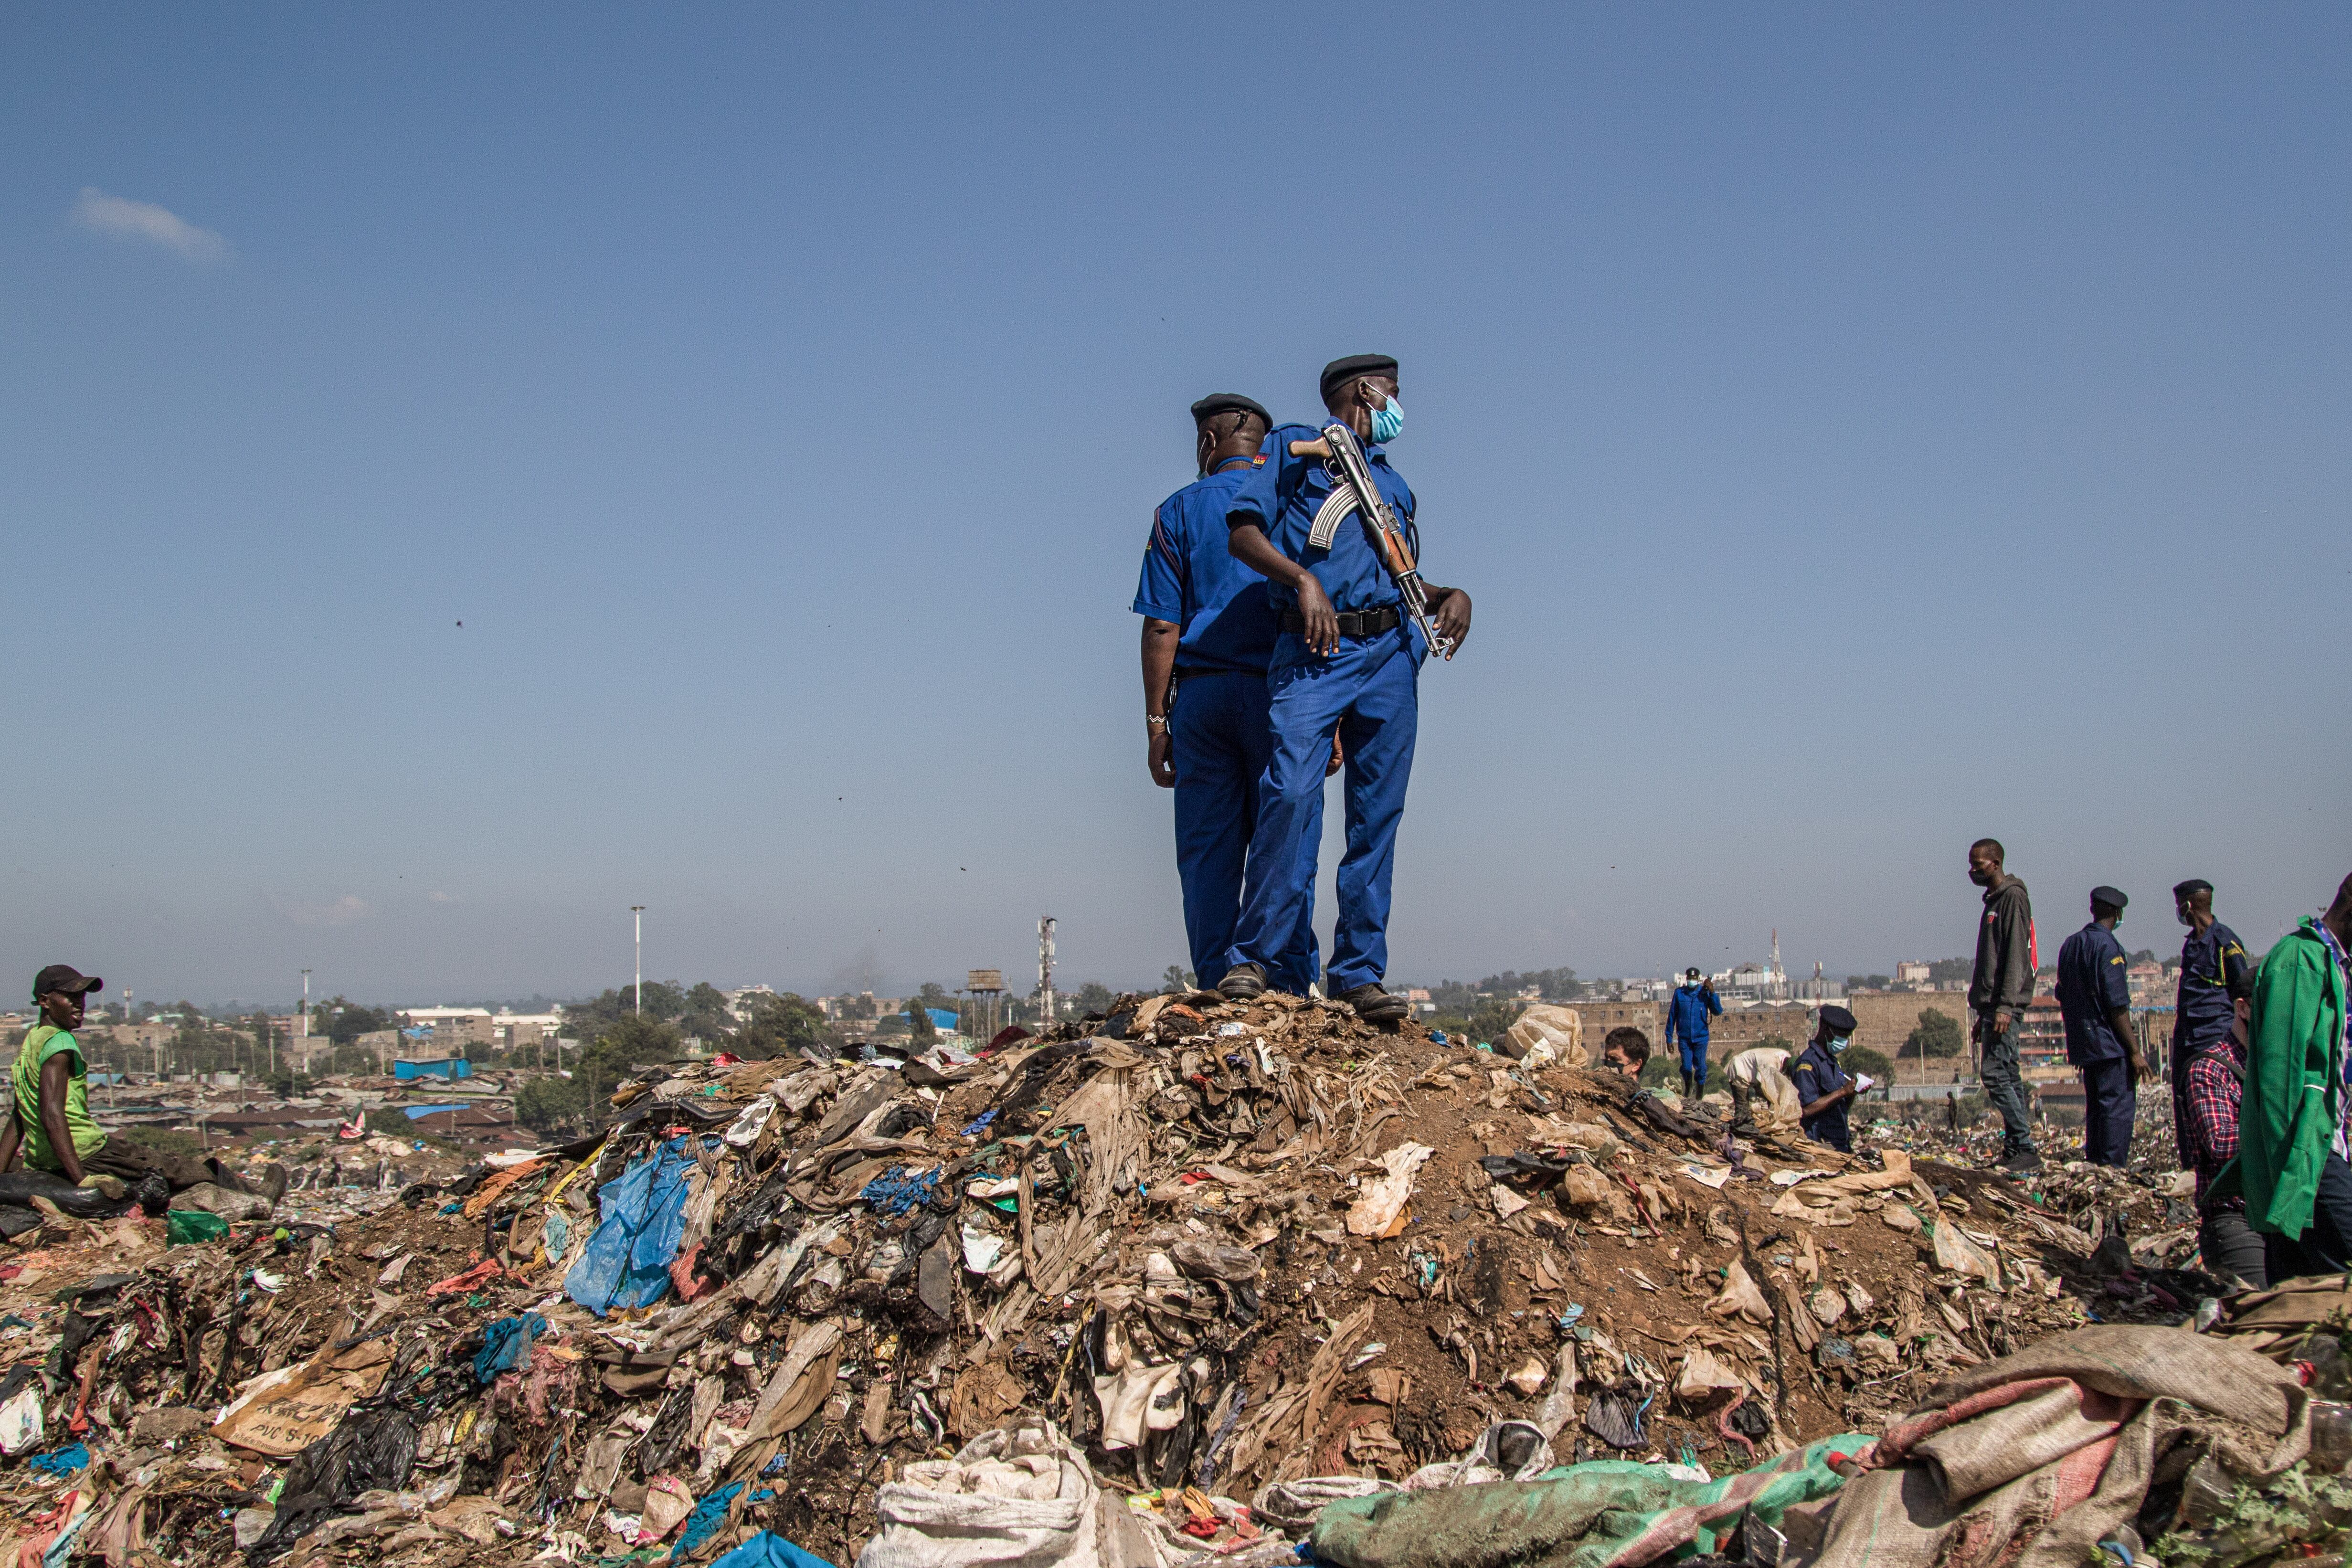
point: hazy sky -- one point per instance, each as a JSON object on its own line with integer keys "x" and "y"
{"x": 1860, "y": 430}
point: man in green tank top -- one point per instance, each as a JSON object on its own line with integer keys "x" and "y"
{"x": 51, "y": 1127}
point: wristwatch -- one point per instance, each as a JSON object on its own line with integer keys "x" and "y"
{"x": 1156, "y": 722}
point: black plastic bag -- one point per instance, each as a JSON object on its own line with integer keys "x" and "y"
{"x": 368, "y": 1450}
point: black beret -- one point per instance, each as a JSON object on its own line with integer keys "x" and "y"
{"x": 1837, "y": 1020}
{"x": 2193, "y": 886}
{"x": 1229, "y": 403}
{"x": 1341, "y": 370}
{"x": 2110, "y": 897}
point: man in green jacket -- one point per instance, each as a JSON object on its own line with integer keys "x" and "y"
{"x": 2292, "y": 1164}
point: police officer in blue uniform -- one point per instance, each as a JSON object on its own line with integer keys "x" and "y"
{"x": 2095, "y": 999}
{"x": 2215, "y": 975}
{"x": 1348, "y": 663}
{"x": 1825, "y": 1094}
{"x": 1208, "y": 631}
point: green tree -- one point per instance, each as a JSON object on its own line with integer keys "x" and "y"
{"x": 1868, "y": 982}
{"x": 1094, "y": 996}
{"x": 544, "y": 1104}
{"x": 1951, "y": 971}
{"x": 1176, "y": 981}
{"x": 586, "y": 1020}
{"x": 664, "y": 1000}
{"x": 707, "y": 1014}
{"x": 780, "y": 1025}
{"x": 1492, "y": 1019}
{"x": 1937, "y": 1035}
{"x": 921, "y": 1031}
{"x": 343, "y": 1021}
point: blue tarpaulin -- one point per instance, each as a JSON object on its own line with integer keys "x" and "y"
{"x": 626, "y": 1262}
{"x": 450, "y": 1068}
{"x": 768, "y": 1550}
{"x": 413, "y": 1111}
{"x": 506, "y": 1345}
{"x": 942, "y": 1017}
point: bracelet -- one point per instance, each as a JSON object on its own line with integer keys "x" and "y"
{"x": 1156, "y": 722}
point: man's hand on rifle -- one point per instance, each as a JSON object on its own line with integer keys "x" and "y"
{"x": 1450, "y": 612}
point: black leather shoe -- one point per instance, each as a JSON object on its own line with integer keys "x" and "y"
{"x": 1242, "y": 982}
{"x": 1373, "y": 1004}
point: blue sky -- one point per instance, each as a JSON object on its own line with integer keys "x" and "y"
{"x": 1860, "y": 430}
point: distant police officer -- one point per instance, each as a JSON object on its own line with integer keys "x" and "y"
{"x": 1824, "y": 1093}
{"x": 1348, "y": 662}
{"x": 2095, "y": 1001}
{"x": 2215, "y": 975}
{"x": 1686, "y": 1014}
{"x": 1208, "y": 631}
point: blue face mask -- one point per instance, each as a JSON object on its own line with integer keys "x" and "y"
{"x": 1838, "y": 1044}
{"x": 1388, "y": 423}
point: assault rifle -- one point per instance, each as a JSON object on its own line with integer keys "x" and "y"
{"x": 1352, "y": 489}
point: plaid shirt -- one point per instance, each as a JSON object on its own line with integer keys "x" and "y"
{"x": 2210, "y": 1093}
{"x": 2343, "y": 1145}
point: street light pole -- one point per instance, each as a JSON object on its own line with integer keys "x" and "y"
{"x": 638, "y": 993}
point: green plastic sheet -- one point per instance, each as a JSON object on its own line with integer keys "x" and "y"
{"x": 1597, "y": 1515}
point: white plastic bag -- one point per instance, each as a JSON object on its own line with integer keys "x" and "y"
{"x": 20, "y": 1421}
{"x": 1544, "y": 1034}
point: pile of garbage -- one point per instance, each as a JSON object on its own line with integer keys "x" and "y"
{"x": 1195, "y": 1281}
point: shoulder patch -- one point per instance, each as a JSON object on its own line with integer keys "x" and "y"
{"x": 2116, "y": 959}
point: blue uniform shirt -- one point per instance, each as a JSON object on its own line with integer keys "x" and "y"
{"x": 2214, "y": 972}
{"x": 1686, "y": 1012}
{"x": 1816, "y": 1073}
{"x": 1282, "y": 498}
{"x": 1192, "y": 580}
{"x": 2091, "y": 984}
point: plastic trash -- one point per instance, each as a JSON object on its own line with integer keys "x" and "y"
{"x": 626, "y": 1262}
{"x": 746, "y": 1127}
{"x": 20, "y": 1421}
{"x": 189, "y": 1228}
{"x": 62, "y": 1461}
{"x": 368, "y": 1451}
{"x": 897, "y": 1190}
{"x": 988, "y": 1505}
{"x": 667, "y": 1502}
{"x": 506, "y": 1345}
{"x": 768, "y": 1550}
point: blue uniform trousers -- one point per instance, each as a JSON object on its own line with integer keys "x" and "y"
{"x": 2109, "y": 1103}
{"x": 1368, "y": 692}
{"x": 1219, "y": 741}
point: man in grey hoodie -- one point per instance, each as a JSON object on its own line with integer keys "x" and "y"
{"x": 1998, "y": 992}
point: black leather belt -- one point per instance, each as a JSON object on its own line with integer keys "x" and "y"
{"x": 1352, "y": 623}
